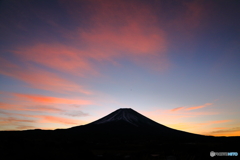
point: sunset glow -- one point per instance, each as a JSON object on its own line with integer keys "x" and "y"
{"x": 65, "y": 63}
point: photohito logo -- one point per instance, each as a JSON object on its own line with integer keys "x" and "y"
{"x": 212, "y": 153}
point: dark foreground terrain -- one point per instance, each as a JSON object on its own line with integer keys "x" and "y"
{"x": 38, "y": 144}
{"x": 123, "y": 134}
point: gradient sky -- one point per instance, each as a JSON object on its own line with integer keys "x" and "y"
{"x": 65, "y": 63}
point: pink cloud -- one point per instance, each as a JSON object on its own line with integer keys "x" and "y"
{"x": 133, "y": 35}
{"x": 51, "y": 100}
{"x": 57, "y": 56}
{"x": 39, "y": 79}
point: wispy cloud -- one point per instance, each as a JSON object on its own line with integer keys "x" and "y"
{"x": 42, "y": 108}
{"x": 177, "y": 109}
{"x": 226, "y": 130}
{"x": 52, "y": 100}
{"x": 59, "y": 120}
{"x": 24, "y": 127}
{"x": 7, "y": 106}
{"x": 190, "y": 108}
{"x": 58, "y": 56}
{"x": 33, "y": 107}
{"x": 133, "y": 35}
{"x": 198, "y": 107}
{"x": 11, "y": 120}
{"x": 38, "y": 78}
{"x": 76, "y": 113}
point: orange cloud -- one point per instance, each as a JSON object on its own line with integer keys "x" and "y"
{"x": 14, "y": 123}
{"x": 52, "y": 100}
{"x": 20, "y": 107}
{"x": 222, "y": 131}
{"x": 10, "y": 123}
{"x": 54, "y": 119}
{"x": 177, "y": 109}
{"x": 191, "y": 108}
{"x": 11, "y": 120}
{"x": 6, "y": 106}
{"x": 197, "y": 107}
{"x": 38, "y": 78}
{"x": 233, "y": 133}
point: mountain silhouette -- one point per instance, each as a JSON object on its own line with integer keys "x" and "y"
{"x": 122, "y": 133}
{"x": 126, "y": 121}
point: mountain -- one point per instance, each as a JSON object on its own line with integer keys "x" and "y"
{"x": 121, "y": 134}
{"x": 128, "y": 122}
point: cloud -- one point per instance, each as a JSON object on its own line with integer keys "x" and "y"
{"x": 7, "y": 106}
{"x": 24, "y": 127}
{"x": 190, "y": 108}
{"x": 42, "y": 108}
{"x": 51, "y": 100}
{"x": 115, "y": 30}
{"x": 38, "y": 78}
{"x": 54, "y": 119}
{"x": 11, "y": 120}
{"x": 198, "y": 107}
{"x": 177, "y": 109}
{"x": 222, "y": 131}
{"x": 129, "y": 30}
{"x": 76, "y": 114}
{"x": 57, "y": 56}
{"x": 21, "y": 107}
{"x": 227, "y": 130}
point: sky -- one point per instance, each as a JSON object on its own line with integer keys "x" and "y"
{"x": 65, "y": 63}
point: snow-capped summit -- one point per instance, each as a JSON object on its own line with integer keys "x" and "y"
{"x": 128, "y": 115}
